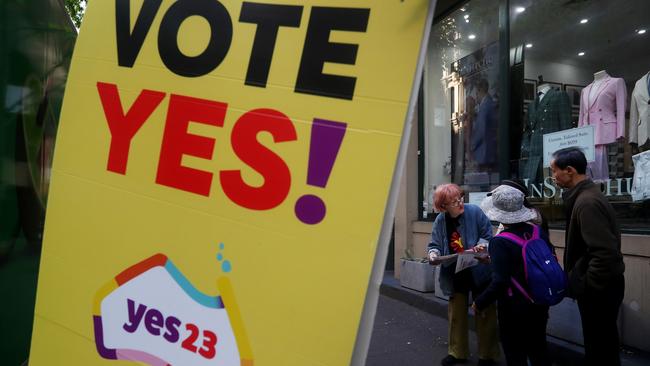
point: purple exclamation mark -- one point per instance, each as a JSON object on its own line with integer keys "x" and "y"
{"x": 326, "y": 139}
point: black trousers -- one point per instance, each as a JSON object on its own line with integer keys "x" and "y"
{"x": 522, "y": 328}
{"x": 599, "y": 312}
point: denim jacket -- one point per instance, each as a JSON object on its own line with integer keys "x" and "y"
{"x": 473, "y": 225}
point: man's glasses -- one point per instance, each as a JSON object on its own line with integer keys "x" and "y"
{"x": 457, "y": 202}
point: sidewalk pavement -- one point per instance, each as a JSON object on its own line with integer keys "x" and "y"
{"x": 562, "y": 352}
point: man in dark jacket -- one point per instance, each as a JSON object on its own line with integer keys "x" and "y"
{"x": 592, "y": 257}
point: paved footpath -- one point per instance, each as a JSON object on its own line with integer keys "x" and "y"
{"x": 404, "y": 335}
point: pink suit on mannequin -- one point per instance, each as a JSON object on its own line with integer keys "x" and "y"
{"x": 602, "y": 105}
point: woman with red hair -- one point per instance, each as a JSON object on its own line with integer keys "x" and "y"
{"x": 460, "y": 227}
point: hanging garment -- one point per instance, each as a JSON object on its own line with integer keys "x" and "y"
{"x": 551, "y": 114}
{"x": 640, "y": 112}
{"x": 598, "y": 169}
{"x": 483, "y": 140}
{"x": 605, "y": 110}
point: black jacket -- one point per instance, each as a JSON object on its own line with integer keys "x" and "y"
{"x": 592, "y": 257}
{"x": 507, "y": 262}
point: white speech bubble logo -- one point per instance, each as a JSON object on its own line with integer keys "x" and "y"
{"x": 151, "y": 313}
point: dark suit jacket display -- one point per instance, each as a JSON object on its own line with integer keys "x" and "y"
{"x": 484, "y": 132}
{"x": 551, "y": 114}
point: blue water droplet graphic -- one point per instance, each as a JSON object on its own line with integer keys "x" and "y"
{"x": 219, "y": 257}
{"x": 221, "y": 246}
{"x": 225, "y": 266}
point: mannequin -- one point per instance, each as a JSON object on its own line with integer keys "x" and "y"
{"x": 602, "y": 105}
{"x": 640, "y": 114}
{"x": 543, "y": 89}
{"x": 549, "y": 112}
{"x": 599, "y": 75}
{"x": 599, "y": 78}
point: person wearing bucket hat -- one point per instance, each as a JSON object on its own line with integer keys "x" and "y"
{"x": 540, "y": 220}
{"x": 457, "y": 228}
{"x": 522, "y": 324}
{"x": 505, "y": 204}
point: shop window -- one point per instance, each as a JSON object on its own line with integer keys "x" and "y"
{"x": 585, "y": 64}
{"x": 461, "y": 101}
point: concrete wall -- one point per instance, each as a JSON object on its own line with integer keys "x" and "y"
{"x": 635, "y": 312}
{"x": 406, "y": 211}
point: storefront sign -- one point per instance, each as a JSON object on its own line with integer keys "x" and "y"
{"x": 210, "y": 202}
{"x": 548, "y": 189}
{"x": 582, "y": 137}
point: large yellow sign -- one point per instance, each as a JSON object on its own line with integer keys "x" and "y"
{"x": 221, "y": 176}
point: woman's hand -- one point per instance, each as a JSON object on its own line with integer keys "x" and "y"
{"x": 433, "y": 257}
{"x": 479, "y": 248}
{"x": 482, "y": 248}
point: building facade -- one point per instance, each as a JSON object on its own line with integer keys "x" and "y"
{"x": 505, "y": 84}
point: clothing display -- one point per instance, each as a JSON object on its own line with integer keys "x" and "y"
{"x": 549, "y": 113}
{"x": 640, "y": 113}
{"x": 641, "y": 180}
{"x": 598, "y": 170}
{"x": 483, "y": 144}
{"x": 602, "y": 105}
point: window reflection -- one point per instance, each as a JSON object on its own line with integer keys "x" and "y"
{"x": 36, "y": 41}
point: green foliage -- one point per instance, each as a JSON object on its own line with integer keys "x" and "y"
{"x": 76, "y": 9}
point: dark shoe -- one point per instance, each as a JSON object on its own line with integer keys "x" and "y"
{"x": 451, "y": 360}
{"x": 482, "y": 362}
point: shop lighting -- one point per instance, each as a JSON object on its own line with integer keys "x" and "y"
{"x": 466, "y": 16}
{"x": 471, "y": 36}
{"x": 466, "y": 20}
{"x": 520, "y": 9}
{"x": 581, "y": 53}
{"x": 529, "y": 45}
{"x": 641, "y": 31}
{"x": 584, "y": 21}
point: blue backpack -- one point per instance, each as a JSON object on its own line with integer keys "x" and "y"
{"x": 547, "y": 282}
